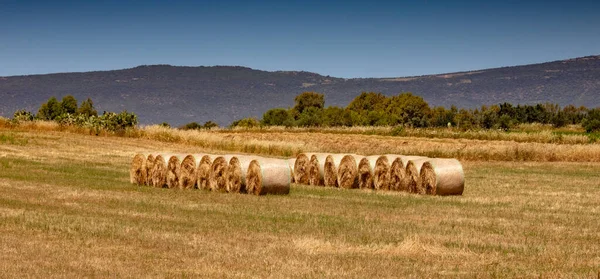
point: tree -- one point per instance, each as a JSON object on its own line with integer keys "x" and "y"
{"x": 311, "y": 117}
{"x": 87, "y": 108}
{"x": 591, "y": 123}
{"x": 69, "y": 104}
{"x": 308, "y": 100}
{"x": 276, "y": 117}
{"x": 409, "y": 109}
{"x": 50, "y": 110}
{"x": 336, "y": 116}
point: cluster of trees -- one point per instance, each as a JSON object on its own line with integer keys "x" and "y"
{"x": 408, "y": 110}
{"x": 67, "y": 112}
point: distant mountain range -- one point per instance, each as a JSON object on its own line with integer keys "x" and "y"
{"x": 179, "y": 95}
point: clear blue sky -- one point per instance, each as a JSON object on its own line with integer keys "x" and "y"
{"x": 337, "y": 38}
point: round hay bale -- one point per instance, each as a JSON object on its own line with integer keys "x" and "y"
{"x": 413, "y": 168}
{"x": 442, "y": 177}
{"x": 236, "y": 173}
{"x": 218, "y": 174}
{"x": 330, "y": 169}
{"x": 268, "y": 176}
{"x": 203, "y": 172}
{"x": 301, "y": 168}
{"x": 159, "y": 172}
{"x": 398, "y": 177}
{"x": 149, "y": 166}
{"x": 382, "y": 172}
{"x": 187, "y": 175}
{"x": 365, "y": 172}
{"x": 291, "y": 163}
{"x": 348, "y": 171}
{"x": 174, "y": 171}
{"x": 316, "y": 169}
{"x": 137, "y": 170}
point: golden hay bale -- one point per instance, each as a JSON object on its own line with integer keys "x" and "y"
{"x": 218, "y": 174}
{"x": 149, "y": 166}
{"x": 159, "y": 172}
{"x": 291, "y": 163}
{"x": 236, "y": 173}
{"x": 316, "y": 169}
{"x": 413, "y": 168}
{"x": 442, "y": 177}
{"x": 187, "y": 175}
{"x": 348, "y": 171}
{"x": 203, "y": 172}
{"x": 398, "y": 177}
{"x": 365, "y": 172}
{"x": 330, "y": 169}
{"x": 137, "y": 169}
{"x": 268, "y": 176}
{"x": 382, "y": 172}
{"x": 301, "y": 168}
{"x": 174, "y": 171}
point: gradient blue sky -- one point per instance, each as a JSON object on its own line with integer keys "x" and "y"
{"x": 337, "y": 38}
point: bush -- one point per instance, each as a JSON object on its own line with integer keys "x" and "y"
{"x": 191, "y": 126}
{"x": 246, "y": 123}
{"x": 23, "y": 115}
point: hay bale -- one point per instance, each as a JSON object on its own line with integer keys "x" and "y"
{"x": 316, "y": 169}
{"x": 236, "y": 173}
{"x": 301, "y": 168}
{"x": 174, "y": 170}
{"x": 413, "y": 168}
{"x": 187, "y": 175}
{"x": 218, "y": 173}
{"x": 330, "y": 169}
{"x": 203, "y": 172}
{"x": 149, "y": 166}
{"x": 382, "y": 172}
{"x": 268, "y": 176}
{"x": 398, "y": 177}
{"x": 348, "y": 171}
{"x": 442, "y": 177}
{"x": 137, "y": 169}
{"x": 291, "y": 163}
{"x": 159, "y": 172}
{"x": 365, "y": 172}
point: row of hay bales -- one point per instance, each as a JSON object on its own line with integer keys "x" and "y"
{"x": 219, "y": 173}
{"x": 414, "y": 174}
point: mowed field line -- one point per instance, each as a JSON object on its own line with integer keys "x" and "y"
{"x": 67, "y": 209}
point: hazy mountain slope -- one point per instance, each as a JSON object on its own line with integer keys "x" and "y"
{"x": 180, "y": 95}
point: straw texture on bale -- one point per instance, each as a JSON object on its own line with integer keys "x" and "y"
{"x": 149, "y": 166}
{"x": 442, "y": 177}
{"x": 382, "y": 172}
{"x": 187, "y": 174}
{"x": 174, "y": 171}
{"x": 236, "y": 173}
{"x": 301, "y": 168}
{"x": 159, "y": 172}
{"x": 137, "y": 170}
{"x": 203, "y": 172}
{"x": 398, "y": 177}
{"x": 218, "y": 174}
{"x": 330, "y": 169}
{"x": 413, "y": 168}
{"x": 316, "y": 169}
{"x": 291, "y": 163}
{"x": 348, "y": 171}
{"x": 365, "y": 172}
{"x": 268, "y": 176}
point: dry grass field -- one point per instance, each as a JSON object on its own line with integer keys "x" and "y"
{"x": 67, "y": 210}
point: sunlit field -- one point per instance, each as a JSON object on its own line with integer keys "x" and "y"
{"x": 530, "y": 209}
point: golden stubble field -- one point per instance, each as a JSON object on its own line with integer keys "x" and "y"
{"x": 67, "y": 210}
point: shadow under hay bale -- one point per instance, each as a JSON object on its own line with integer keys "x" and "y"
{"x": 159, "y": 172}
{"x": 330, "y": 169}
{"x": 268, "y": 176}
{"x": 348, "y": 171}
{"x": 301, "y": 168}
{"x": 137, "y": 170}
{"x": 316, "y": 169}
{"x": 398, "y": 177}
{"x": 413, "y": 168}
{"x": 236, "y": 173}
{"x": 203, "y": 172}
{"x": 149, "y": 166}
{"x": 442, "y": 177}
{"x": 365, "y": 172}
